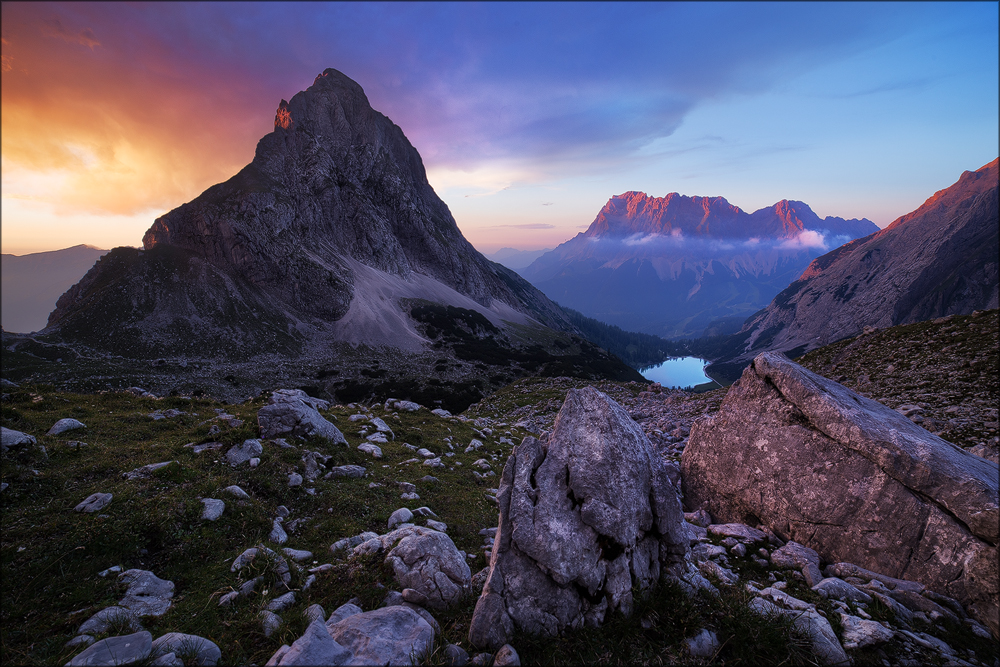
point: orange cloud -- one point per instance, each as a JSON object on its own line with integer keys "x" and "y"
{"x": 117, "y": 132}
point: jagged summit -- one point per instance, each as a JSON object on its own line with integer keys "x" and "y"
{"x": 335, "y": 181}
{"x": 330, "y": 225}
{"x": 636, "y": 212}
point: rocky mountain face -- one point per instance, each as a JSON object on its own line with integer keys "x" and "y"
{"x": 333, "y": 219}
{"x": 939, "y": 260}
{"x": 330, "y": 240}
{"x": 32, "y": 283}
{"x": 672, "y": 265}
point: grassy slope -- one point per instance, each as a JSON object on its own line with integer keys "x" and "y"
{"x": 51, "y": 555}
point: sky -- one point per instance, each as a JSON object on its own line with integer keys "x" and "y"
{"x": 528, "y": 116}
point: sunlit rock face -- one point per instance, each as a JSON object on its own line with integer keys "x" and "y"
{"x": 329, "y": 229}
{"x": 671, "y": 265}
{"x": 939, "y": 260}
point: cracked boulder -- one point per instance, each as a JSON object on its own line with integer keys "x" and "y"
{"x": 293, "y": 412}
{"x": 584, "y": 518}
{"x": 852, "y": 479}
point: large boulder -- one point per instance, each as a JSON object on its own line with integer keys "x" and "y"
{"x": 850, "y": 478}
{"x": 584, "y": 518}
{"x": 314, "y": 647}
{"x": 293, "y": 412}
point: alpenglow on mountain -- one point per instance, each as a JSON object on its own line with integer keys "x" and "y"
{"x": 673, "y": 265}
{"x": 939, "y": 260}
{"x": 331, "y": 236}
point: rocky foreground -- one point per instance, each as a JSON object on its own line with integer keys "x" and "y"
{"x": 290, "y": 531}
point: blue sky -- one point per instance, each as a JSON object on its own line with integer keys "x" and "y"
{"x": 529, "y": 116}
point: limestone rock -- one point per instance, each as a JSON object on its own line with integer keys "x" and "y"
{"x": 147, "y": 594}
{"x": 429, "y": 567}
{"x": 738, "y": 531}
{"x": 64, "y": 425}
{"x": 454, "y": 655}
{"x": 241, "y": 453}
{"x": 402, "y": 515}
{"x": 201, "y": 650}
{"x": 213, "y": 509}
{"x": 278, "y": 534}
{"x": 342, "y": 612}
{"x": 269, "y": 622}
{"x": 314, "y": 647}
{"x": 860, "y": 632}
{"x": 102, "y": 620}
{"x": 315, "y": 612}
{"x": 368, "y": 448}
{"x": 703, "y": 645}
{"x": 87, "y": 640}
{"x": 391, "y": 635}
{"x": 11, "y": 439}
{"x": 824, "y": 641}
{"x": 506, "y": 657}
{"x": 583, "y": 518}
{"x": 850, "y": 478}
{"x": 436, "y": 525}
{"x": 282, "y": 602}
{"x": 346, "y": 471}
{"x": 94, "y": 502}
{"x": 797, "y": 557}
{"x": 298, "y": 555}
{"x": 293, "y": 412}
{"x": 237, "y": 491}
{"x": 124, "y": 650}
{"x": 839, "y": 589}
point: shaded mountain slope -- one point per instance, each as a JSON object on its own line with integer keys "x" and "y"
{"x": 941, "y": 259}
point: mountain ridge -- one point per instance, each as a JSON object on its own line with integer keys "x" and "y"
{"x": 938, "y": 260}
{"x": 669, "y": 266}
{"x": 33, "y": 282}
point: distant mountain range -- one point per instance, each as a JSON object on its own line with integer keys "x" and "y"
{"x": 516, "y": 259}
{"x": 32, "y": 283}
{"x": 674, "y": 266}
{"x": 939, "y": 260}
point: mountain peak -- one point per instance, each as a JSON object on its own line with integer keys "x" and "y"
{"x": 335, "y": 200}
